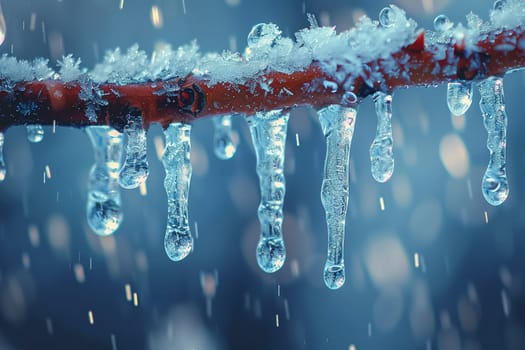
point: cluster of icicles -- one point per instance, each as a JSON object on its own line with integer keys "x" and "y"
{"x": 268, "y": 131}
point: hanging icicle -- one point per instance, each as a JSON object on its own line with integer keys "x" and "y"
{"x": 268, "y": 130}
{"x": 104, "y": 213}
{"x": 135, "y": 170}
{"x": 337, "y": 123}
{"x": 381, "y": 150}
{"x": 494, "y": 185}
{"x": 178, "y": 241}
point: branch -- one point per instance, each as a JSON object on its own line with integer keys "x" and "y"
{"x": 456, "y": 55}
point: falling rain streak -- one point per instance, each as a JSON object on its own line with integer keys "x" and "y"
{"x": 459, "y": 97}
{"x": 381, "y": 150}
{"x": 337, "y": 123}
{"x": 178, "y": 241}
{"x": 3, "y": 27}
{"x": 268, "y": 130}
{"x": 494, "y": 185}
{"x": 3, "y": 169}
{"x": 135, "y": 170}
{"x": 224, "y": 145}
{"x": 104, "y": 213}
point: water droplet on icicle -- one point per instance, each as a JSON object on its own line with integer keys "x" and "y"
{"x": 223, "y": 144}
{"x": 387, "y": 17}
{"x": 442, "y": 23}
{"x": 178, "y": 241}
{"x": 104, "y": 213}
{"x": 35, "y": 133}
{"x": 337, "y": 123}
{"x": 3, "y": 169}
{"x": 494, "y": 184}
{"x": 459, "y": 97}
{"x": 381, "y": 150}
{"x": 268, "y": 130}
{"x": 135, "y": 170}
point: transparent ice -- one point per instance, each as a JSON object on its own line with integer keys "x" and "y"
{"x": 35, "y": 133}
{"x": 381, "y": 150}
{"x": 268, "y": 130}
{"x": 3, "y": 169}
{"x": 337, "y": 123}
{"x": 178, "y": 241}
{"x": 104, "y": 213}
{"x": 459, "y": 97}
{"x": 494, "y": 185}
{"x": 224, "y": 145}
{"x": 135, "y": 170}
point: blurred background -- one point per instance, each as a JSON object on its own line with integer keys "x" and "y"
{"x": 430, "y": 265}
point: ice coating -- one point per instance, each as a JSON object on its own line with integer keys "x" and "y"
{"x": 224, "y": 145}
{"x": 268, "y": 130}
{"x": 104, "y": 213}
{"x": 381, "y": 150}
{"x": 459, "y": 97}
{"x": 35, "y": 133}
{"x": 337, "y": 123}
{"x": 178, "y": 241}
{"x": 3, "y": 169}
{"x": 494, "y": 185}
{"x": 135, "y": 170}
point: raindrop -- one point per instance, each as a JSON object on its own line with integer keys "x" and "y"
{"x": 263, "y": 35}
{"x": 499, "y": 5}
{"x": 35, "y": 133}
{"x": 224, "y": 145}
{"x": 387, "y": 17}
{"x": 442, "y": 23}
{"x": 459, "y": 97}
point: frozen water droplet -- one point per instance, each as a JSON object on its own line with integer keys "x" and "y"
{"x": 494, "y": 185}
{"x": 3, "y": 169}
{"x": 178, "y": 241}
{"x": 459, "y": 97}
{"x": 268, "y": 130}
{"x": 35, "y": 133}
{"x": 135, "y": 170}
{"x": 334, "y": 276}
{"x": 104, "y": 213}
{"x": 381, "y": 150}
{"x": 349, "y": 98}
{"x": 337, "y": 123}
{"x": 387, "y": 17}
{"x": 499, "y": 4}
{"x": 332, "y": 85}
{"x": 263, "y": 35}
{"x": 442, "y": 23}
{"x": 224, "y": 145}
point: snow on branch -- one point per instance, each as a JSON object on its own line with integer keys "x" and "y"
{"x": 319, "y": 68}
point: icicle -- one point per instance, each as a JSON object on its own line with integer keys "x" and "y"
{"x": 103, "y": 206}
{"x": 494, "y": 185}
{"x": 337, "y": 123}
{"x": 178, "y": 241}
{"x": 381, "y": 150}
{"x": 459, "y": 97}
{"x": 3, "y": 169}
{"x": 268, "y": 130}
{"x": 223, "y": 143}
{"x": 135, "y": 170}
{"x": 35, "y": 133}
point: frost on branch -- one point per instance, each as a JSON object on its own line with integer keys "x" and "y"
{"x": 329, "y": 71}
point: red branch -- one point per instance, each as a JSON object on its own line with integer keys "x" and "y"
{"x": 52, "y": 101}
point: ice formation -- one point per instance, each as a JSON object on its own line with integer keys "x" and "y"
{"x": 369, "y": 53}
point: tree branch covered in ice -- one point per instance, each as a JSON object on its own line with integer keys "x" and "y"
{"x": 319, "y": 68}
{"x": 328, "y": 71}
